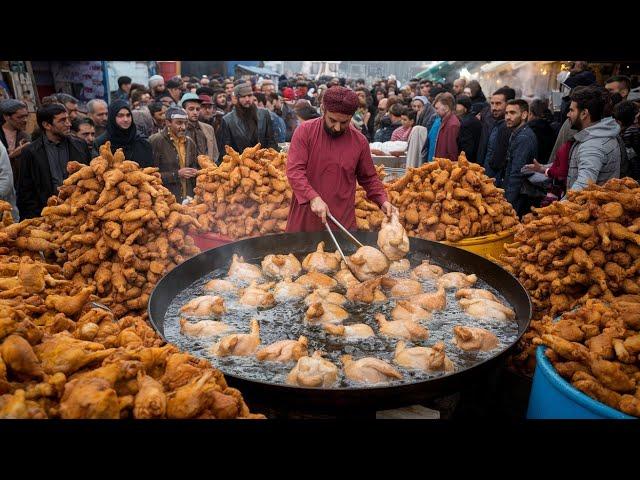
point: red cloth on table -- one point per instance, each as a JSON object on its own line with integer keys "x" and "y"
{"x": 320, "y": 164}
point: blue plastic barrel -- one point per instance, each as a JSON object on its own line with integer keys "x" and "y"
{"x": 552, "y": 397}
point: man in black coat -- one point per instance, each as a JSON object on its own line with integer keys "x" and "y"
{"x": 246, "y": 125}
{"x": 44, "y": 161}
{"x": 470, "y": 129}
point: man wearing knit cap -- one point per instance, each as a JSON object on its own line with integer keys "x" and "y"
{"x": 246, "y": 125}
{"x": 326, "y": 157}
{"x": 175, "y": 154}
{"x": 156, "y": 85}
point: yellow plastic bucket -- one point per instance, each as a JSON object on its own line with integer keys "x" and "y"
{"x": 488, "y": 246}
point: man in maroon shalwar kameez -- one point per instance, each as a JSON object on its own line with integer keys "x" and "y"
{"x": 326, "y": 157}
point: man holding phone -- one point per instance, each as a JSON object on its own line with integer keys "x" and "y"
{"x": 175, "y": 154}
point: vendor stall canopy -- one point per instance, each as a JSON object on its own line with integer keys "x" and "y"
{"x": 249, "y": 70}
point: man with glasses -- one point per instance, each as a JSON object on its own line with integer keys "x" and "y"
{"x": 13, "y": 135}
{"x": 246, "y": 125}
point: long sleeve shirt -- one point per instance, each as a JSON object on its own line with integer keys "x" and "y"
{"x": 328, "y": 167}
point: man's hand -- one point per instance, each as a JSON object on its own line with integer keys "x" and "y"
{"x": 534, "y": 167}
{"x": 187, "y": 172}
{"x": 320, "y": 208}
{"x": 389, "y": 209}
{"x": 18, "y": 150}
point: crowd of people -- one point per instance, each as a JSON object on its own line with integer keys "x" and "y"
{"x": 535, "y": 156}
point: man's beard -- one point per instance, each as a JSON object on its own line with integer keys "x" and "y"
{"x": 331, "y": 132}
{"x": 248, "y": 116}
{"x": 577, "y": 125}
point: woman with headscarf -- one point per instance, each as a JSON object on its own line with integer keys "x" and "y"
{"x": 427, "y": 114}
{"x": 122, "y": 133}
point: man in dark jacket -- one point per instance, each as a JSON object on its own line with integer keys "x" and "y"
{"x": 522, "y": 149}
{"x": 490, "y": 153}
{"x": 625, "y": 114}
{"x": 470, "y": 129}
{"x": 44, "y": 161}
{"x": 175, "y": 154}
{"x": 246, "y": 125}
{"x": 539, "y": 123}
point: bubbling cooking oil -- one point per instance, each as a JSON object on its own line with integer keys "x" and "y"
{"x": 286, "y": 320}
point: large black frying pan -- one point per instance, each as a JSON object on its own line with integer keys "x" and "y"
{"x": 284, "y": 397}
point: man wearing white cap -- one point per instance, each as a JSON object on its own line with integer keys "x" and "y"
{"x": 175, "y": 154}
{"x": 156, "y": 85}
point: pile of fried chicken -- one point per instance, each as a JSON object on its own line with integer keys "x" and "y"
{"x": 368, "y": 214}
{"x": 445, "y": 200}
{"x": 368, "y": 276}
{"x": 597, "y": 349}
{"x": 62, "y": 357}
{"x": 584, "y": 247}
{"x": 112, "y": 225}
{"x": 246, "y": 195}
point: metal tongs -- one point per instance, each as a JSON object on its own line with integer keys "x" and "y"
{"x": 351, "y": 237}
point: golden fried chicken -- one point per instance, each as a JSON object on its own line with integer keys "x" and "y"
{"x": 368, "y": 263}
{"x": 281, "y": 266}
{"x": 151, "y": 400}
{"x": 486, "y": 309}
{"x": 429, "y": 359}
{"x": 19, "y": 357}
{"x": 220, "y": 286}
{"x": 92, "y": 398}
{"x": 457, "y": 280}
{"x": 592, "y": 387}
{"x": 239, "y": 344}
{"x": 399, "y": 266}
{"x": 69, "y": 305}
{"x": 355, "y": 330}
{"x": 204, "y": 306}
{"x": 426, "y": 271}
{"x": 369, "y": 370}
{"x": 63, "y": 353}
{"x": 314, "y": 280}
{"x": 192, "y": 399}
{"x": 321, "y": 261}
{"x": 366, "y": 292}
{"x": 405, "y": 310}
{"x": 406, "y": 329}
{"x": 471, "y": 293}
{"x": 313, "y": 371}
{"x": 203, "y": 328}
{"x": 401, "y": 287}
{"x": 289, "y": 291}
{"x": 325, "y": 312}
{"x": 345, "y": 278}
{"x": 568, "y": 350}
{"x": 322, "y": 295}
{"x": 430, "y": 301}
{"x": 257, "y": 295}
{"x": 611, "y": 375}
{"x": 240, "y": 270}
{"x": 180, "y": 369}
{"x": 392, "y": 238}
{"x": 284, "y": 350}
{"x": 16, "y": 406}
{"x": 474, "y": 338}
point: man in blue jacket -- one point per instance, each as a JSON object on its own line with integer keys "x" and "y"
{"x": 522, "y": 149}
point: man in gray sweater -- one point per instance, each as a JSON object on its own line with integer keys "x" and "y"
{"x": 595, "y": 155}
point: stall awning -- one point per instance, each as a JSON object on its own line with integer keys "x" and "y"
{"x": 257, "y": 70}
{"x": 496, "y": 66}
